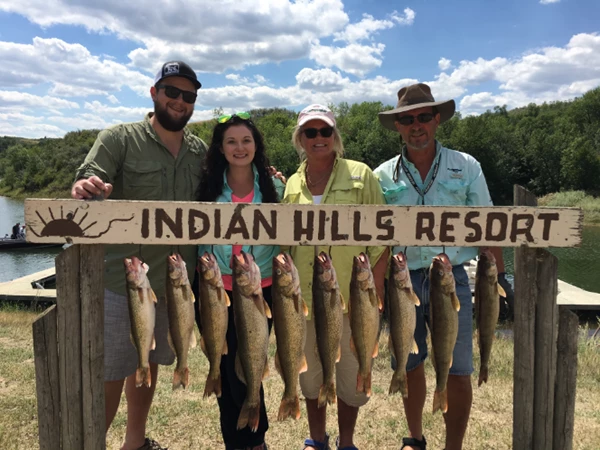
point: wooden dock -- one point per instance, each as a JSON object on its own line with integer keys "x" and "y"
{"x": 21, "y": 290}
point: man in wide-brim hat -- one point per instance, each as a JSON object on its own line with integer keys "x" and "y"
{"x": 427, "y": 173}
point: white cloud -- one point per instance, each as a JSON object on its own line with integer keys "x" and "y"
{"x": 355, "y": 58}
{"x": 407, "y": 19}
{"x": 323, "y": 80}
{"x": 362, "y": 30}
{"x": 26, "y": 100}
{"x": 547, "y": 2}
{"x": 114, "y": 100}
{"x": 444, "y": 64}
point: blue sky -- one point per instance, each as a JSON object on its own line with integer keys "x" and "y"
{"x": 69, "y": 65}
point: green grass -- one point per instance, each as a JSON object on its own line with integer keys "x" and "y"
{"x": 184, "y": 420}
{"x": 577, "y": 199}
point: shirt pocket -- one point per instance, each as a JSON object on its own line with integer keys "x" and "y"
{"x": 394, "y": 196}
{"x": 194, "y": 174}
{"x": 348, "y": 194}
{"x": 451, "y": 192}
{"x": 143, "y": 180}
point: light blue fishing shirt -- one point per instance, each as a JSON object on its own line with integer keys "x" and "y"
{"x": 459, "y": 182}
{"x": 263, "y": 254}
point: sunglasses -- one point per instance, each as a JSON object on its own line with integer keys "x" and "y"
{"x": 422, "y": 118}
{"x": 174, "y": 92}
{"x": 311, "y": 133}
{"x": 227, "y": 117}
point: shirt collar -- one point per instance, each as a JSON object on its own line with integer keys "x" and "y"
{"x": 226, "y": 185}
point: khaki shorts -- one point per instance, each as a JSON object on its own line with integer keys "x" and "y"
{"x": 120, "y": 355}
{"x": 345, "y": 370}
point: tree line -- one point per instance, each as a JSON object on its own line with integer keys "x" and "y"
{"x": 547, "y": 148}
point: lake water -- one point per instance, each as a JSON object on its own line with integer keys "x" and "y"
{"x": 577, "y": 266}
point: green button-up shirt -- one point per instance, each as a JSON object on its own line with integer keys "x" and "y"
{"x": 133, "y": 159}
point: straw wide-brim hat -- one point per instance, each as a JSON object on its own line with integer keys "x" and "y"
{"x": 414, "y": 97}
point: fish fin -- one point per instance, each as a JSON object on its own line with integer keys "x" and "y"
{"x": 213, "y": 386}
{"x": 483, "y": 375}
{"x": 225, "y": 348}
{"x": 363, "y": 384}
{"x": 343, "y": 302}
{"x": 303, "y": 364}
{"x": 391, "y": 346}
{"x": 143, "y": 376}
{"x": 203, "y": 346}
{"x": 376, "y": 349}
{"x": 268, "y": 312}
{"x": 433, "y": 359}
{"x": 339, "y": 354}
{"x": 181, "y": 378}
{"x": 501, "y": 291}
{"x": 266, "y": 369}
{"x": 289, "y": 407}
{"x": 145, "y": 267}
{"x": 225, "y": 297}
{"x": 455, "y": 302}
{"x": 327, "y": 394}
{"x": 249, "y": 417}
{"x": 193, "y": 341}
{"x": 414, "y": 298}
{"x": 239, "y": 370}
{"x": 415, "y": 348}
{"x": 153, "y": 296}
{"x": 131, "y": 339}
{"x": 352, "y": 348}
{"x": 399, "y": 383}
{"x": 304, "y": 307}
{"x": 153, "y": 346}
{"x": 440, "y": 401}
{"x": 278, "y": 364}
{"x": 169, "y": 341}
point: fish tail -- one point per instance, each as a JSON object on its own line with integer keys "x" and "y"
{"x": 483, "y": 375}
{"x": 363, "y": 383}
{"x": 440, "y": 401}
{"x": 213, "y": 386}
{"x": 143, "y": 377}
{"x": 181, "y": 377}
{"x": 399, "y": 383}
{"x": 290, "y": 407}
{"x": 327, "y": 394}
{"x": 249, "y": 417}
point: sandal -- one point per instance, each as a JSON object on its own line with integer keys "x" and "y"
{"x": 316, "y": 444}
{"x": 151, "y": 444}
{"x": 337, "y": 446}
{"x": 420, "y": 444}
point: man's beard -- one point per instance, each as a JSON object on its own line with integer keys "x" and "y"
{"x": 168, "y": 122}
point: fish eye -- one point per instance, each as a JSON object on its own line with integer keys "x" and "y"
{"x": 278, "y": 271}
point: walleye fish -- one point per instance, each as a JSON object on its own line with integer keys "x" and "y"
{"x": 180, "y": 309}
{"x": 363, "y": 310}
{"x": 250, "y": 314}
{"x": 328, "y": 308}
{"x": 289, "y": 318}
{"x": 443, "y": 324}
{"x": 141, "y": 300}
{"x": 403, "y": 320}
{"x": 487, "y": 307}
{"x": 214, "y": 319}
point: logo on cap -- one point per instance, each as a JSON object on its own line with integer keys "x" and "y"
{"x": 171, "y": 68}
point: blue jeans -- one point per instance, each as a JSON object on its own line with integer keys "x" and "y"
{"x": 462, "y": 363}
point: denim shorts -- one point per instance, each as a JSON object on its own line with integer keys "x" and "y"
{"x": 463, "y": 351}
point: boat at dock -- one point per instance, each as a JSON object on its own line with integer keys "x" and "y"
{"x": 12, "y": 244}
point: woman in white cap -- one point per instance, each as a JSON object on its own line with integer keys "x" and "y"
{"x": 325, "y": 177}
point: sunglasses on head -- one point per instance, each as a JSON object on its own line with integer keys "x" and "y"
{"x": 311, "y": 133}
{"x": 422, "y": 118}
{"x": 227, "y": 117}
{"x": 174, "y": 92}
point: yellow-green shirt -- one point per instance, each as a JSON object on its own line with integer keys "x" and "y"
{"x": 132, "y": 157}
{"x": 351, "y": 183}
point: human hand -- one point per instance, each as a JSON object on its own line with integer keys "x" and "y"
{"x": 507, "y": 305}
{"x": 276, "y": 174}
{"x": 88, "y": 188}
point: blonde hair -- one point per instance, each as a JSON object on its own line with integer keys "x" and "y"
{"x": 338, "y": 145}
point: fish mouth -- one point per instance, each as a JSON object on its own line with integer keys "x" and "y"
{"x": 399, "y": 261}
{"x": 206, "y": 259}
{"x": 324, "y": 260}
{"x": 485, "y": 254}
{"x": 363, "y": 259}
{"x": 242, "y": 260}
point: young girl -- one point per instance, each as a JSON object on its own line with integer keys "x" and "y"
{"x": 236, "y": 169}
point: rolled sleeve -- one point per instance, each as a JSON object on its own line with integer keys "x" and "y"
{"x": 103, "y": 160}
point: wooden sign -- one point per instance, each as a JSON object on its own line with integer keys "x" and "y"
{"x": 178, "y": 223}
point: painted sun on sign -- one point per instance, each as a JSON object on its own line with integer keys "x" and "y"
{"x": 67, "y": 226}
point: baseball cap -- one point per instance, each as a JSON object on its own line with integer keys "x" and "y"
{"x": 177, "y": 69}
{"x": 316, "y": 112}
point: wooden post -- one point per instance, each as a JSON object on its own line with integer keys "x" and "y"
{"x": 45, "y": 349}
{"x": 69, "y": 347}
{"x": 546, "y": 331}
{"x": 92, "y": 345}
{"x": 524, "y": 334}
{"x": 566, "y": 380}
